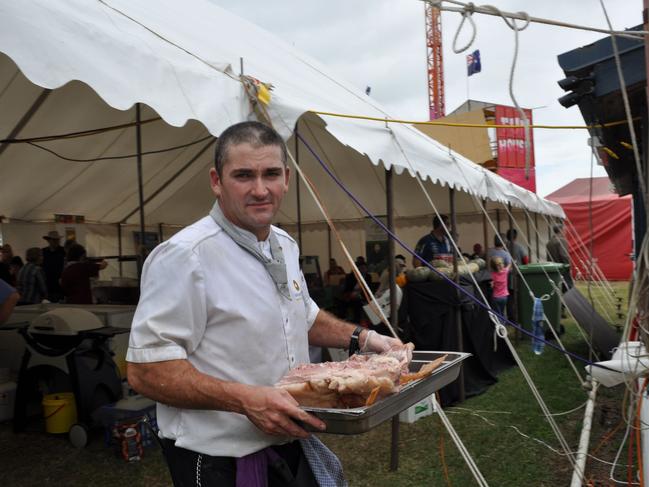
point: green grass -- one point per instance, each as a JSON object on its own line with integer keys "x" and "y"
{"x": 484, "y": 423}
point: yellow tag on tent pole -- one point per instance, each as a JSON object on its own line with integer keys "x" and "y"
{"x": 263, "y": 93}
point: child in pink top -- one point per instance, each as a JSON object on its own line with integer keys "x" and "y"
{"x": 499, "y": 273}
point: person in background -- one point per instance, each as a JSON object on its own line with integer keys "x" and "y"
{"x": 435, "y": 244}
{"x": 8, "y": 299}
{"x": 500, "y": 292}
{"x": 15, "y": 264}
{"x": 53, "y": 262}
{"x": 499, "y": 250}
{"x": 75, "y": 278}
{"x": 31, "y": 279}
{"x": 478, "y": 252}
{"x": 353, "y": 298}
{"x": 384, "y": 282}
{"x": 6, "y": 254}
{"x": 334, "y": 270}
{"x": 557, "y": 251}
{"x": 517, "y": 251}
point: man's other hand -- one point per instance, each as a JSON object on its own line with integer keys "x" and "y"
{"x": 274, "y": 410}
{"x": 374, "y": 342}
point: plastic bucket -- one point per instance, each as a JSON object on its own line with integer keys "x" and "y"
{"x": 59, "y": 412}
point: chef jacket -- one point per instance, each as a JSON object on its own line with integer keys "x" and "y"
{"x": 207, "y": 300}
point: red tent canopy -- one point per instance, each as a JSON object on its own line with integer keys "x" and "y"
{"x": 612, "y": 226}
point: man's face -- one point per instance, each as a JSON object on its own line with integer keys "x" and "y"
{"x": 252, "y": 186}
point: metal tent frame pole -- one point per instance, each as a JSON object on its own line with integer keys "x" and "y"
{"x": 457, "y": 309}
{"x": 140, "y": 187}
{"x": 297, "y": 191}
{"x": 394, "y": 319}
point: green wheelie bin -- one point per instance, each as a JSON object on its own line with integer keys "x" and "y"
{"x": 536, "y": 276}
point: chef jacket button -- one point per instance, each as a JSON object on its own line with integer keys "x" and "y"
{"x": 292, "y": 359}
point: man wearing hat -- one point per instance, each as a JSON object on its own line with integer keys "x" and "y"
{"x": 53, "y": 261}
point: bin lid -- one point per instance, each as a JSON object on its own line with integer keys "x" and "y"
{"x": 539, "y": 268}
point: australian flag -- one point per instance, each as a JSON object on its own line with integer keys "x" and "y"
{"x": 473, "y": 65}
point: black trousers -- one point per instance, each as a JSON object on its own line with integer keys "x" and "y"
{"x": 191, "y": 469}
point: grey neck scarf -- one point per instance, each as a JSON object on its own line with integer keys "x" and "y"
{"x": 276, "y": 267}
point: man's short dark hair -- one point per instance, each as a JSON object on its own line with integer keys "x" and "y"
{"x": 556, "y": 228}
{"x": 499, "y": 240}
{"x": 512, "y": 234}
{"x": 254, "y": 133}
{"x": 437, "y": 221}
{"x": 33, "y": 254}
{"x": 75, "y": 252}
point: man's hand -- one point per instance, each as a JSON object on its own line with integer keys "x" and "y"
{"x": 273, "y": 410}
{"x": 374, "y": 342}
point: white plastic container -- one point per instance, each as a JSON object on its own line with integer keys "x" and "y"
{"x": 417, "y": 411}
{"x": 7, "y": 399}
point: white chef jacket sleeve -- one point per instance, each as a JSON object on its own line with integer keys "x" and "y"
{"x": 171, "y": 315}
{"x": 310, "y": 307}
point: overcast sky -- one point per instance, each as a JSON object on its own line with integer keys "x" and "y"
{"x": 381, "y": 43}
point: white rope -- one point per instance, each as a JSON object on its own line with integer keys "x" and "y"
{"x": 578, "y": 252}
{"x": 490, "y": 10}
{"x": 603, "y": 289}
{"x": 467, "y": 13}
{"x": 359, "y": 275}
{"x": 320, "y": 205}
{"x": 499, "y": 328}
{"x": 617, "y": 456}
{"x": 563, "y": 281}
{"x": 555, "y": 289}
{"x": 454, "y": 410}
{"x": 458, "y": 443}
{"x": 529, "y": 290}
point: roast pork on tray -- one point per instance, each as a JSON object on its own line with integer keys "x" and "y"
{"x": 358, "y": 381}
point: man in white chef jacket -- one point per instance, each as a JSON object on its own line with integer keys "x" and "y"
{"x": 224, "y": 313}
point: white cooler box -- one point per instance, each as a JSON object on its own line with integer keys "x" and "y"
{"x": 417, "y": 411}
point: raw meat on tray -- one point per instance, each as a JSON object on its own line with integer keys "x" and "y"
{"x": 358, "y": 381}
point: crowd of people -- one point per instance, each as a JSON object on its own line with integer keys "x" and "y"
{"x": 436, "y": 245}
{"x": 55, "y": 273}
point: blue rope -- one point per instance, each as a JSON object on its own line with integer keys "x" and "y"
{"x": 443, "y": 276}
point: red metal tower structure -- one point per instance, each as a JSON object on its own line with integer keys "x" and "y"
{"x": 436, "y": 107}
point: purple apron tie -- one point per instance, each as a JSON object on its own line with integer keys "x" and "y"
{"x": 252, "y": 470}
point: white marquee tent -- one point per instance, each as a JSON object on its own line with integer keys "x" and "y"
{"x": 82, "y": 65}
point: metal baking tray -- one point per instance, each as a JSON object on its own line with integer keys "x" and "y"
{"x": 359, "y": 420}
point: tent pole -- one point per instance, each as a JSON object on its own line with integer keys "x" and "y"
{"x": 485, "y": 231}
{"x": 512, "y": 302}
{"x": 140, "y": 188}
{"x": 27, "y": 116}
{"x": 172, "y": 178}
{"x": 297, "y": 191}
{"x": 119, "y": 248}
{"x": 529, "y": 237}
{"x": 538, "y": 235}
{"x": 394, "y": 318}
{"x": 328, "y": 243}
{"x": 498, "y": 221}
{"x": 160, "y": 233}
{"x": 457, "y": 309}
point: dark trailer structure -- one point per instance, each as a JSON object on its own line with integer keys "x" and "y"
{"x": 593, "y": 83}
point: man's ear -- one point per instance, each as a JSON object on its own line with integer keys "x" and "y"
{"x": 215, "y": 182}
